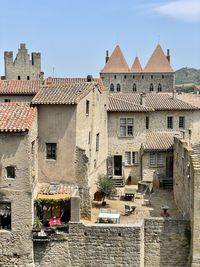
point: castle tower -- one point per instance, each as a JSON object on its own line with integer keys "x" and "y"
{"x": 22, "y": 68}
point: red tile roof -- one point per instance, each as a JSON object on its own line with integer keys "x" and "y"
{"x": 119, "y": 105}
{"x": 157, "y": 101}
{"x": 159, "y": 140}
{"x": 22, "y": 87}
{"x": 70, "y": 93}
{"x": 136, "y": 67}
{"x": 158, "y": 62}
{"x": 16, "y": 117}
{"x": 116, "y": 63}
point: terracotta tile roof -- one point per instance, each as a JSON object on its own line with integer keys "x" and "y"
{"x": 119, "y": 105}
{"x": 158, "y": 62}
{"x": 136, "y": 67}
{"x": 159, "y": 140}
{"x": 63, "y": 81}
{"x": 16, "y": 117}
{"x": 70, "y": 93}
{"x": 22, "y": 87}
{"x": 158, "y": 101}
{"x": 116, "y": 63}
{"x": 192, "y": 99}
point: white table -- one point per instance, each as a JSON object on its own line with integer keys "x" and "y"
{"x": 111, "y": 216}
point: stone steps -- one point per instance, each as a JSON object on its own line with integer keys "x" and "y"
{"x": 167, "y": 183}
{"x": 118, "y": 181}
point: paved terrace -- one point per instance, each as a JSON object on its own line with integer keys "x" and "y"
{"x": 159, "y": 198}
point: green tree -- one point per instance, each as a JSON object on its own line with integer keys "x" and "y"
{"x": 106, "y": 186}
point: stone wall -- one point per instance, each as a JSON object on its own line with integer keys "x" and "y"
{"x": 154, "y": 242}
{"x": 142, "y": 81}
{"x": 16, "y": 98}
{"x": 167, "y": 243}
{"x": 22, "y": 68}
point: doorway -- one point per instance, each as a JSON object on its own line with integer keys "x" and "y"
{"x": 169, "y": 166}
{"x": 117, "y": 165}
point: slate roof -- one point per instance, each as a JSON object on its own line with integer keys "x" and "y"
{"x": 20, "y": 87}
{"x": 136, "y": 67}
{"x": 157, "y": 101}
{"x": 159, "y": 140}
{"x": 119, "y": 105}
{"x": 16, "y": 117}
{"x": 158, "y": 62}
{"x": 70, "y": 93}
{"x": 116, "y": 63}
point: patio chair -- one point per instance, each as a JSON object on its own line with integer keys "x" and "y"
{"x": 147, "y": 200}
{"x": 129, "y": 209}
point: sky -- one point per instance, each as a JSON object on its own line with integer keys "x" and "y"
{"x": 73, "y": 35}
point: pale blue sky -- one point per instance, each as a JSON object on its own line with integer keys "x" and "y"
{"x": 72, "y": 35}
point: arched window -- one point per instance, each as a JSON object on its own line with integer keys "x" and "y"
{"x": 134, "y": 87}
{"x": 118, "y": 87}
{"x": 112, "y": 88}
{"x": 159, "y": 87}
{"x": 151, "y": 87}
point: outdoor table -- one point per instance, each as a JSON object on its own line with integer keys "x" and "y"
{"x": 109, "y": 216}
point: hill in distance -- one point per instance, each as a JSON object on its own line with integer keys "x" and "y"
{"x": 187, "y": 77}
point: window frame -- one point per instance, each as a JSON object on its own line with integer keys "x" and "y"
{"x": 133, "y": 158}
{"x": 11, "y": 169}
{"x": 170, "y": 124}
{"x": 118, "y": 87}
{"x": 181, "y": 124}
{"x": 53, "y": 151}
{"x": 127, "y": 126}
{"x": 112, "y": 87}
{"x": 157, "y": 161}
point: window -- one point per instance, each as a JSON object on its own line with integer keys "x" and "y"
{"x": 87, "y": 107}
{"x": 182, "y": 122}
{"x": 134, "y": 87}
{"x": 19, "y": 78}
{"x": 131, "y": 158}
{"x": 124, "y": 76}
{"x": 118, "y": 87}
{"x": 28, "y": 77}
{"x": 5, "y": 215}
{"x": 7, "y": 100}
{"x": 112, "y": 88}
{"x": 159, "y": 87}
{"x": 51, "y": 150}
{"x": 147, "y": 122}
{"x": 115, "y": 77}
{"x": 142, "y": 76}
{"x": 10, "y": 172}
{"x": 151, "y": 87}
{"x": 163, "y": 76}
{"x": 97, "y": 142}
{"x": 133, "y": 76}
{"x": 151, "y": 76}
{"x": 126, "y": 127}
{"x": 170, "y": 122}
{"x": 156, "y": 159}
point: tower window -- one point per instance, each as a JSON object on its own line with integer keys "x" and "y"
{"x": 133, "y": 76}
{"x": 97, "y": 142}
{"x": 163, "y": 76}
{"x": 151, "y": 76}
{"x": 134, "y": 87}
{"x": 19, "y": 78}
{"x": 147, "y": 122}
{"x": 87, "y": 107}
{"x": 159, "y": 87}
{"x": 115, "y": 77}
{"x": 142, "y": 76}
{"x": 118, "y": 87}
{"x": 124, "y": 76}
{"x": 10, "y": 172}
{"x": 51, "y": 150}
{"x": 151, "y": 87}
{"x": 112, "y": 88}
{"x": 28, "y": 77}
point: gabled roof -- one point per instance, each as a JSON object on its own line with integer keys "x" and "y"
{"x": 158, "y": 62}
{"x": 119, "y": 105}
{"x": 136, "y": 67}
{"x": 20, "y": 87}
{"x": 63, "y": 81}
{"x": 158, "y": 101}
{"x": 65, "y": 94}
{"x": 16, "y": 117}
{"x": 116, "y": 63}
{"x": 159, "y": 141}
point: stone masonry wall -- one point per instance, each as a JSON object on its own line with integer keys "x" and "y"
{"x": 156, "y": 242}
{"x": 166, "y": 243}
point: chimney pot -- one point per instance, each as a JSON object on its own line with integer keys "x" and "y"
{"x": 168, "y": 55}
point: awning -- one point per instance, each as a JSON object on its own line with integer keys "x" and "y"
{"x": 53, "y": 197}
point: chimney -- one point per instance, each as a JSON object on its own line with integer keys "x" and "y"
{"x": 107, "y": 56}
{"x": 89, "y": 78}
{"x": 143, "y": 99}
{"x": 168, "y": 55}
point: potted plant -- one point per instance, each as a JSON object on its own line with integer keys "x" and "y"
{"x": 106, "y": 186}
{"x": 37, "y": 224}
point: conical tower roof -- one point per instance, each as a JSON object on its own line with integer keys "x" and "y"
{"x": 158, "y": 62}
{"x": 116, "y": 63}
{"x": 136, "y": 67}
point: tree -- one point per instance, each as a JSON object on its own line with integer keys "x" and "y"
{"x": 106, "y": 186}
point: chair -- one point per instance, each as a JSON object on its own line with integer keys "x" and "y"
{"x": 129, "y": 209}
{"x": 147, "y": 201}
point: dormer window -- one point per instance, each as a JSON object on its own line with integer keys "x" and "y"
{"x": 112, "y": 88}
{"x": 118, "y": 87}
